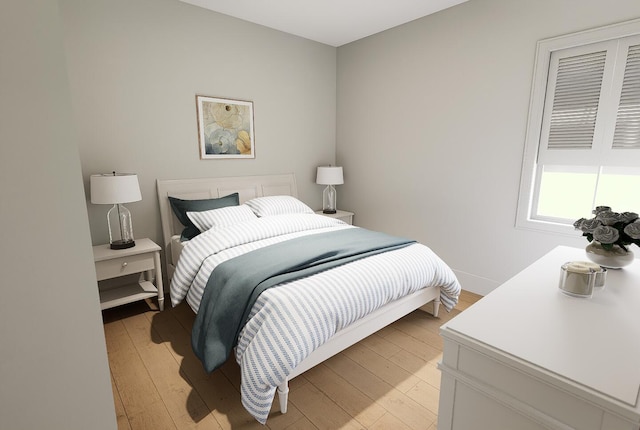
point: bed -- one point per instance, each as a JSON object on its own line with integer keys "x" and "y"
{"x": 289, "y": 329}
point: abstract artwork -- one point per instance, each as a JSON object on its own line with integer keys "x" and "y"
{"x": 225, "y": 128}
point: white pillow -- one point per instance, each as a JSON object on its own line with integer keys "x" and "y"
{"x": 229, "y": 215}
{"x": 278, "y": 205}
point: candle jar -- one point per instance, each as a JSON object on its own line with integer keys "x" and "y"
{"x": 578, "y": 278}
{"x": 601, "y": 278}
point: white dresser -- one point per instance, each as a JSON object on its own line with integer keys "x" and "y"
{"x": 527, "y": 356}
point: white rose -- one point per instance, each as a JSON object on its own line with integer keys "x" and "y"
{"x": 605, "y": 234}
{"x": 633, "y": 230}
{"x": 599, "y": 209}
{"x": 608, "y": 218}
{"x": 589, "y": 225}
{"x": 628, "y": 217}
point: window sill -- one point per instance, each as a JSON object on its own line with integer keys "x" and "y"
{"x": 547, "y": 227}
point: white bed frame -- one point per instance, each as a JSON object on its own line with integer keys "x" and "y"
{"x": 249, "y": 187}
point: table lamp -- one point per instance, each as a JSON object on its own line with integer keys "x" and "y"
{"x": 329, "y": 176}
{"x": 117, "y": 188}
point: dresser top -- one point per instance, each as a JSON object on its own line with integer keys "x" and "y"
{"x": 594, "y": 342}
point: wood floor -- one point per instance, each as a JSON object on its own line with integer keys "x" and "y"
{"x": 387, "y": 381}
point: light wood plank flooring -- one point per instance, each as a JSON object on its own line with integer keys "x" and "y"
{"x": 387, "y": 381}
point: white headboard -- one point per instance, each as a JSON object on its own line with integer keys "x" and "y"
{"x": 248, "y": 187}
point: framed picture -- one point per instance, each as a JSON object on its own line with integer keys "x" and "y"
{"x": 225, "y": 128}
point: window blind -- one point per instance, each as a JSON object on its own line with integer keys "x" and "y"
{"x": 627, "y": 131}
{"x": 575, "y": 101}
{"x": 592, "y": 105}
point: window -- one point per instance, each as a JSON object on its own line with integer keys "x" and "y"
{"x": 583, "y": 136}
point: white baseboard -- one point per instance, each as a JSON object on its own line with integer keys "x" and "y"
{"x": 476, "y": 284}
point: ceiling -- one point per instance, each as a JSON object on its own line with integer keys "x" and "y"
{"x": 332, "y": 22}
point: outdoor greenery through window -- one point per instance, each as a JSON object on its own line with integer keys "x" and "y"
{"x": 583, "y": 136}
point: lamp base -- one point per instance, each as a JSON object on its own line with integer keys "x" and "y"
{"x": 329, "y": 211}
{"x": 123, "y": 244}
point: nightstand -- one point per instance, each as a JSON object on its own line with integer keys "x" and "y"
{"x": 341, "y": 215}
{"x": 142, "y": 259}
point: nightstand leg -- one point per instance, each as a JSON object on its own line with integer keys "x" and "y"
{"x": 156, "y": 259}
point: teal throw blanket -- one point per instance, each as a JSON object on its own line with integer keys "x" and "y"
{"x": 235, "y": 284}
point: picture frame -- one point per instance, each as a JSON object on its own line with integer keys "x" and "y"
{"x": 225, "y": 128}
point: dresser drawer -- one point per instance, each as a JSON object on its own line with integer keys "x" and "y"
{"x": 121, "y": 266}
{"x": 500, "y": 379}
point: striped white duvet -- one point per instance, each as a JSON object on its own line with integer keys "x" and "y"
{"x": 288, "y": 322}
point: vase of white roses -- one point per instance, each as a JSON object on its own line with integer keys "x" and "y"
{"x": 610, "y": 234}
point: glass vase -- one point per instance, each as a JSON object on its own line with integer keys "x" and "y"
{"x": 615, "y": 258}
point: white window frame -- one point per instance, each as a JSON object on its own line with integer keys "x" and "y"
{"x": 545, "y": 48}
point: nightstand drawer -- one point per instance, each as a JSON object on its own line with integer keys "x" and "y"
{"x": 121, "y": 266}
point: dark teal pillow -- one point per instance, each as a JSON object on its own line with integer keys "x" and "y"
{"x": 181, "y": 207}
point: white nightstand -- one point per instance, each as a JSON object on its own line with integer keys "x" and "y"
{"x": 144, "y": 258}
{"x": 341, "y": 215}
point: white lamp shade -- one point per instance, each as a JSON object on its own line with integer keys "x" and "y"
{"x": 112, "y": 188}
{"x": 329, "y": 176}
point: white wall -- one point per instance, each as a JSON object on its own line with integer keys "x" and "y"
{"x": 431, "y": 115}
{"x": 135, "y": 67}
{"x": 431, "y": 126}
{"x": 53, "y": 365}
